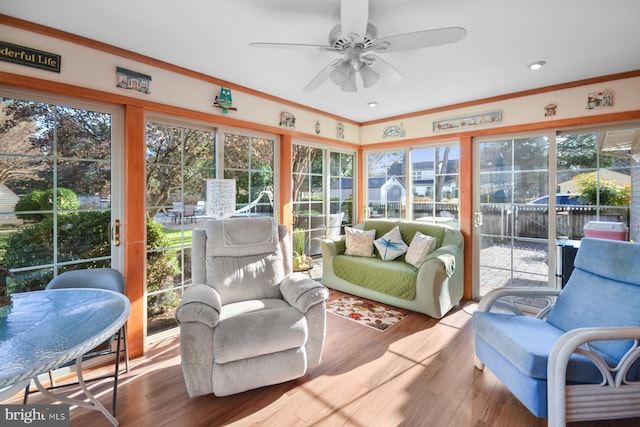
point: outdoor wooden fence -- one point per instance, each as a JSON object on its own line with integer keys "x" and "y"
{"x": 533, "y": 221}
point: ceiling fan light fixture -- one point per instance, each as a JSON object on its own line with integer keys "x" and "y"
{"x": 369, "y": 77}
{"x": 338, "y": 77}
{"x": 340, "y": 73}
{"x": 350, "y": 84}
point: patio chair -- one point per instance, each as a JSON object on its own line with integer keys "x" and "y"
{"x": 189, "y": 213}
{"x": 176, "y": 211}
{"x": 201, "y": 207}
{"x": 94, "y": 278}
{"x": 247, "y": 321}
{"x": 578, "y": 358}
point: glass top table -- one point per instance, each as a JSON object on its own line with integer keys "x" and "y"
{"x": 43, "y": 330}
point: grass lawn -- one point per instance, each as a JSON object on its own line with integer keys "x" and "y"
{"x": 175, "y": 237}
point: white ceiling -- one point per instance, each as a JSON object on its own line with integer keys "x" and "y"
{"x": 578, "y": 39}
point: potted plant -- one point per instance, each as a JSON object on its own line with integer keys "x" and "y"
{"x": 301, "y": 262}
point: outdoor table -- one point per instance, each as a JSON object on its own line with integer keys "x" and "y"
{"x": 43, "y": 330}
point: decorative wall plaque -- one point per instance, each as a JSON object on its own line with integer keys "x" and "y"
{"x": 132, "y": 80}
{"x": 10, "y": 52}
{"x": 468, "y": 121}
{"x": 599, "y": 100}
{"x": 287, "y": 120}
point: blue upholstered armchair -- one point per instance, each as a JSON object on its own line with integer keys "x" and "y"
{"x": 578, "y": 358}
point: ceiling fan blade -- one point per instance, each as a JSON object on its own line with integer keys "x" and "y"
{"x": 291, "y": 46}
{"x": 388, "y": 72}
{"x": 354, "y": 15}
{"x": 321, "y": 77}
{"x": 419, "y": 39}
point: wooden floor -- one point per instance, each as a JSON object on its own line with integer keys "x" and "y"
{"x": 418, "y": 373}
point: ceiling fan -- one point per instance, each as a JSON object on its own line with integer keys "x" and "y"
{"x": 357, "y": 41}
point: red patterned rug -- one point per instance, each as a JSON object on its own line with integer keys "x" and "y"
{"x": 366, "y": 313}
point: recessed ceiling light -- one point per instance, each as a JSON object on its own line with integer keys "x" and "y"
{"x": 372, "y": 104}
{"x": 537, "y": 65}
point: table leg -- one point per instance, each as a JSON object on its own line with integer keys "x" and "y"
{"x": 93, "y": 403}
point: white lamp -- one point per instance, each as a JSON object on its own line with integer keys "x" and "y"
{"x": 221, "y": 198}
{"x": 369, "y": 77}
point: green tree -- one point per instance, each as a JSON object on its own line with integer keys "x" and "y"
{"x": 602, "y": 193}
{"x": 81, "y": 235}
{"x": 178, "y": 160}
{"x": 302, "y": 159}
{"x": 163, "y": 270}
{"x": 21, "y": 157}
{"x": 66, "y": 200}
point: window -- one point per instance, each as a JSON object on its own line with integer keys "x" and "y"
{"x": 430, "y": 186}
{"x": 386, "y": 184}
{"x": 179, "y": 159}
{"x": 435, "y": 184}
{"x": 595, "y": 169}
{"x": 56, "y": 188}
{"x": 322, "y": 202}
{"x": 250, "y": 161}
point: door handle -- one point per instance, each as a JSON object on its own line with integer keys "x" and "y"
{"x": 115, "y": 233}
{"x": 477, "y": 218}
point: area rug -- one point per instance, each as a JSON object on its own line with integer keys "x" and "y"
{"x": 366, "y": 313}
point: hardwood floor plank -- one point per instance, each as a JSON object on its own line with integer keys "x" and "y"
{"x": 418, "y": 373}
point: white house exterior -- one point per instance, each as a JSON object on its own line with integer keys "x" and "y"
{"x": 8, "y": 200}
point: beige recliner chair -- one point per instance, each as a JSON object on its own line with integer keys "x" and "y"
{"x": 247, "y": 321}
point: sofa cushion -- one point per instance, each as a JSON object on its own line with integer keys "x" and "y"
{"x": 527, "y": 341}
{"x": 390, "y": 246}
{"x": 359, "y": 242}
{"x": 408, "y": 230}
{"x": 254, "y": 328}
{"x": 421, "y": 246}
{"x": 394, "y": 278}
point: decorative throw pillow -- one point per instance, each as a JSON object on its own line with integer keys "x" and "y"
{"x": 421, "y": 246}
{"x": 391, "y": 245}
{"x": 359, "y": 242}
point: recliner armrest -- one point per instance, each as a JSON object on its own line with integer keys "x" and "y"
{"x": 303, "y": 292}
{"x": 200, "y": 303}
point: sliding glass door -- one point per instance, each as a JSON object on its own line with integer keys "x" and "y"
{"x": 322, "y": 195}
{"x": 512, "y": 229}
{"x": 180, "y": 158}
{"x": 537, "y": 197}
{"x": 59, "y": 187}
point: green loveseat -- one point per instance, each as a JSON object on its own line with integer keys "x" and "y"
{"x": 433, "y": 288}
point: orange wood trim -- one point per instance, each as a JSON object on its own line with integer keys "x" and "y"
{"x": 135, "y": 227}
{"x": 527, "y": 127}
{"x": 577, "y": 83}
{"x": 155, "y": 107}
{"x": 465, "y": 216}
{"x": 360, "y": 197}
{"x": 285, "y": 182}
{"x": 104, "y": 47}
